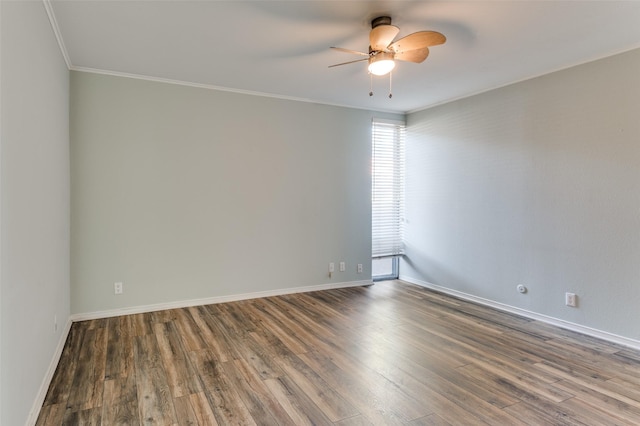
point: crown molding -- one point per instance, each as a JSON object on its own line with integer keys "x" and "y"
{"x": 527, "y": 78}
{"x": 56, "y": 30}
{"x": 221, "y": 88}
{"x": 65, "y": 54}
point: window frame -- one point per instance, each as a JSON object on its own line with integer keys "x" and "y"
{"x": 388, "y": 141}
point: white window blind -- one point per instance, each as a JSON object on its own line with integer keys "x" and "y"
{"x": 388, "y": 188}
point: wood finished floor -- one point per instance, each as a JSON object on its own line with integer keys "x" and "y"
{"x": 392, "y": 353}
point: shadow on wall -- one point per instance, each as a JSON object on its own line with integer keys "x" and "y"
{"x": 418, "y": 265}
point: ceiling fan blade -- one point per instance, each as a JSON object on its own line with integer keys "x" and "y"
{"x": 350, "y": 62}
{"x": 418, "y": 40}
{"x": 416, "y": 55}
{"x": 381, "y": 36}
{"x": 355, "y": 52}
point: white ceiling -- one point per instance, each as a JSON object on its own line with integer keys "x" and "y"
{"x": 281, "y": 48}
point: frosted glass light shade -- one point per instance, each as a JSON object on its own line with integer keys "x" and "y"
{"x": 382, "y": 63}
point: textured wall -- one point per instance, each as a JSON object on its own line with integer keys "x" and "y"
{"x": 186, "y": 193}
{"x": 537, "y": 183}
{"x": 34, "y": 224}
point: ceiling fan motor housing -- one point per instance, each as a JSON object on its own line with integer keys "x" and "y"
{"x": 381, "y": 20}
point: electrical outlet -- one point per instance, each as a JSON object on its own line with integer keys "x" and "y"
{"x": 570, "y": 299}
{"x": 359, "y": 268}
{"x": 332, "y": 267}
{"x": 117, "y": 288}
{"x": 343, "y": 266}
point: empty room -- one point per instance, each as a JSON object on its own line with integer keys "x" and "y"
{"x": 319, "y": 212}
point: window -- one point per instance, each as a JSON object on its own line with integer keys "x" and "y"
{"x": 387, "y": 197}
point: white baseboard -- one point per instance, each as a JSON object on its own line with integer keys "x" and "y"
{"x": 37, "y": 405}
{"x": 46, "y": 381}
{"x": 212, "y": 300}
{"x": 610, "y": 337}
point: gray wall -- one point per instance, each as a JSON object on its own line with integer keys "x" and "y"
{"x": 34, "y": 219}
{"x": 536, "y": 183}
{"x": 185, "y": 193}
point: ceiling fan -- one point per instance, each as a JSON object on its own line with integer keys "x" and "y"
{"x": 383, "y": 51}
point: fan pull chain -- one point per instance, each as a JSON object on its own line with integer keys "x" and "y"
{"x": 370, "y": 84}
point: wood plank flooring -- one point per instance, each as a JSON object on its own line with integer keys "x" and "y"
{"x": 391, "y": 353}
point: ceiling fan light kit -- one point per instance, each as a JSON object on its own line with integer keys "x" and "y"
{"x": 381, "y": 63}
{"x": 383, "y": 51}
